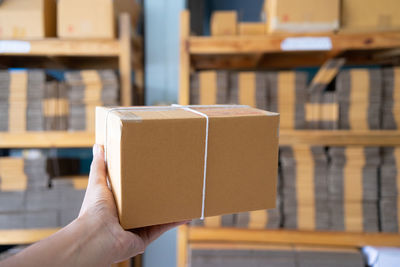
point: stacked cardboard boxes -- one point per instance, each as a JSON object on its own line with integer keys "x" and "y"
{"x": 353, "y": 188}
{"x": 287, "y": 95}
{"x": 391, "y": 99}
{"x": 359, "y": 94}
{"x": 305, "y": 191}
{"x": 88, "y": 89}
{"x": 249, "y": 88}
{"x": 21, "y": 94}
{"x": 390, "y": 190}
{"x": 209, "y": 88}
{"x": 27, "y": 201}
{"x": 56, "y": 107}
{"x": 276, "y": 255}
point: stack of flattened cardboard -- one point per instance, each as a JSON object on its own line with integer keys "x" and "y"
{"x": 88, "y": 89}
{"x": 70, "y": 194}
{"x": 27, "y": 201}
{"x": 55, "y": 105}
{"x": 353, "y": 188}
{"x": 209, "y": 88}
{"x": 21, "y": 94}
{"x": 40, "y": 207}
{"x": 322, "y": 108}
{"x": 249, "y": 88}
{"x": 305, "y": 191}
{"x": 391, "y": 99}
{"x": 359, "y": 94}
{"x": 287, "y": 91}
{"x": 276, "y": 255}
{"x": 390, "y": 190}
{"x": 13, "y": 183}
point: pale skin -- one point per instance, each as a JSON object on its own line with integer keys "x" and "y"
{"x": 95, "y": 238}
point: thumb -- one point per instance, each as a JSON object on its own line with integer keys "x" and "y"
{"x": 97, "y": 168}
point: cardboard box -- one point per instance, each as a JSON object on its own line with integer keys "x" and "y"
{"x": 155, "y": 158}
{"x": 224, "y": 23}
{"x": 93, "y": 18}
{"x": 252, "y": 28}
{"x": 85, "y": 19}
{"x": 370, "y": 15}
{"x": 21, "y": 19}
{"x": 302, "y": 16}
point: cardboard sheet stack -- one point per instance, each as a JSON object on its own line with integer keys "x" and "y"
{"x": 55, "y": 105}
{"x": 353, "y": 188}
{"x": 390, "y": 190}
{"x": 249, "y": 88}
{"x": 287, "y": 91}
{"x": 21, "y": 94}
{"x": 322, "y": 109}
{"x": 27, "y": 201}
{"x": 88, "y": 89}
{"x": 70, "y": 194}
{"x": 305, "y": 191}
{"x": 359, "y": 94}
{"x": 278, "y": 255}
{"x": 209, "y": 88}
{"x": 391, "y": 99}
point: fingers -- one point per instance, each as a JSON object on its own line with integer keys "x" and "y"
{"x": 149, "y": 234}
{"x": 98, "y": 167}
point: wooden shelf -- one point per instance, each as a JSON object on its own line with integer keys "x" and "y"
{"x": 286, "y": 137}
{"x": 339, "y": 137}
{"x": 46, "y": 139}
{"x": 272, "y": 43}
{"x": 60, "y": 47}
{"x": 293, "y": 237}
{"x": 24, "y": 236}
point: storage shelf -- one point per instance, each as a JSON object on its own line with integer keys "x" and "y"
{"x": 60, "y": 47}
{"x": 340, "y": 137}
{"x": 24, "y": 236}
{"x": 246, "y": 236}
{"x": 272, "y": 43}
{"x": 46, "y": 139}
{"x": 286, "y": 137}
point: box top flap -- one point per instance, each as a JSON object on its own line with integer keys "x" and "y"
{"x": 177, "y": 112}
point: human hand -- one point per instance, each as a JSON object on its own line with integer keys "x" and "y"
{"x": 99, "y": 206}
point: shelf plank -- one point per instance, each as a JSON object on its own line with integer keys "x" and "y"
{"x": 286, "y": 137}
{"x": 272, "y": 43}
{"x": 234, "y": 235}
{"x": 339, "y": 137}
{"x": 24, "y": 236}
{"x": 61, "y": 47}
{"x": 46, "y": 139}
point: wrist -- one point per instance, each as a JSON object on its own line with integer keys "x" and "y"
{"x": 95, "y": 242}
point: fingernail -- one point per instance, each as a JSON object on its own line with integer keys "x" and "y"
{"x": 96, "y": 150}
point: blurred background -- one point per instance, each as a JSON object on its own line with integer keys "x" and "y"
{"x": 331, "y": 68}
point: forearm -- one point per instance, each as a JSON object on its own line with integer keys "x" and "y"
{"x": 79, "y": 244}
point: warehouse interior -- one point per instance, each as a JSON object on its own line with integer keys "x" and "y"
{"x": 330, "y": 68}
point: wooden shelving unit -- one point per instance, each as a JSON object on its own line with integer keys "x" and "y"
{"x": 237, "y": 52}
{"x": 54, "y": 52}
{"x": 123, "y": 53}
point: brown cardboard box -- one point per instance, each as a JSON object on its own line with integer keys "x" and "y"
{"x": 302, "y": 16}
{"x": 252, "y": 28}
{"x": 21, "y": 19}
{"x": 155, "y": 160}
{"x": 370, "y": 15}
{"x": 93, "y": 18}
{"x": 224, "y": 23}
{"x": 86, "y": 19}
